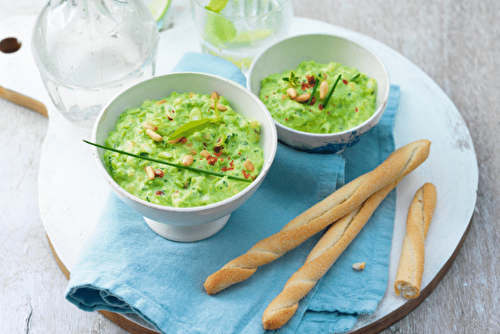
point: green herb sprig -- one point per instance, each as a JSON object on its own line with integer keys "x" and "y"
{"x": 316, "y": 84}
{"x": 327, "y": 98}
{"x": 355, "y": 77}
{"x": 169, "y": 163}
{"x": 189, "y": 128}
{"x": 196, "y": 125}
{"x": 292, "y": 79}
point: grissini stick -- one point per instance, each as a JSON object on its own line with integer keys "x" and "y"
{"x": 318, "y": 217}
{"x": 331, "y": 245}
{"x": 411, "y": 263}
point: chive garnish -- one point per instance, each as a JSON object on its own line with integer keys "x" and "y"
{"x": 169, "y": 163}
{"x": 327, "y": 98}
{"x": 316, "y": 84}
{"x": 355, "y": 77}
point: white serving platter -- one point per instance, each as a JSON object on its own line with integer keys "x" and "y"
{"x": 71, "y": 196}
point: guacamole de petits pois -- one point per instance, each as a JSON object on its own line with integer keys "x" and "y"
{"x": 319, "y": 98}
{"x": 195, "y": 130}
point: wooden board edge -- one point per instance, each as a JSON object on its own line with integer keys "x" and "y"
{"x": 116, "y": 318}
{"x": 411, "y": 304}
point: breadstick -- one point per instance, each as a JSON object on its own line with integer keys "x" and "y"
{"x": 318, "y": 217}
{"x": 331, "y": 245}
{"x": 411, "y": 263}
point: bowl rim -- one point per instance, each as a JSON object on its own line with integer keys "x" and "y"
{"x": 236, "y": 197}
{"x": 324, "y": 136}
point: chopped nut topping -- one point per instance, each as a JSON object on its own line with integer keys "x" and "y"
{"x": 292, "y": 93}
{"x": 150, "y": 172}
{"x": 187, "y": 160}
{"x": 248, "y": 165}
{"x": 323, "y": 89}
{"x": 303, "y": 97}
{"x": 220, "y": 107}
{"x": 359, "y": 266}
{"x": 148, "y": 125}
{"x": 153, "y": 135}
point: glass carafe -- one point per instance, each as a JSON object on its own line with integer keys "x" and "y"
{"x": 89, "y": 50}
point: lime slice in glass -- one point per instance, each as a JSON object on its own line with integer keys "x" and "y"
{"x": 219, "y": 30}
{"x": 159, "y": 9}
{"x": 216, "y": 5}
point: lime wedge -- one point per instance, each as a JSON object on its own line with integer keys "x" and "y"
{"x": 216, "y": 5}
{"x": 158, "y": 8}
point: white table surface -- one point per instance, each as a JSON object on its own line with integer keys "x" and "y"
{"x": 449, "y": 40}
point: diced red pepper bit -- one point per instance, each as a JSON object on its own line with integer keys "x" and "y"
{"x": 305, "y": 85}
{"x": 286, "y": 119}
{"x": 224, "y": 169}
{"x": 159, "y": 173}
{"x": 170, "y": 119}
{"x": 345, "y": 81}
{"x": 313, "y": 100}
{"x": 245, "y": 174}
{"x": 183, "y": 140}
{"x": 356, "y": 109}
{"x": 217, "y": 149}
{"x": 320, "y": 106}
{"x": 311, "y": 80}
{"x": 159, "y": 193}
{"x": 212, "y": 160}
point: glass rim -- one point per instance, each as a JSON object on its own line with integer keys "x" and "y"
{"x": 282, "y": 3}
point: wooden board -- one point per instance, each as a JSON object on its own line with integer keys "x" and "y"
{"x": 66, "y": 196}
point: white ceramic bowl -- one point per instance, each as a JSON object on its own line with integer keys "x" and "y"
{"x": 196, "y": 223}
{"x": 289, "y": 53}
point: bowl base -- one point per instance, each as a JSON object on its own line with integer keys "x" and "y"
{"x": 187, "y": 233}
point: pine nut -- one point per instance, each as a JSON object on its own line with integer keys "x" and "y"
{"x": 187, "y": 160}
{"x": 148, "y": 125}
{"x": 205, "y": 153}
{"x": 153, "y": 135}
{"x": 213, "y": 96}
{"x": 150, "y": 172}
{"x": 292, "y": 93}
{"x": 220, "y": 107}
{"x": 323, "y": 89}
{"x": 248, "y": 165}
{"x": 303, "y": 97}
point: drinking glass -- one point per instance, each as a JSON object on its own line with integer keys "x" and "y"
{"x": 237, "y": 30}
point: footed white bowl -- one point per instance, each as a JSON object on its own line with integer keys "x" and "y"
{"x": 195, "y": 223}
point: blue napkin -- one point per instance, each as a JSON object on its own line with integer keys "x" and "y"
{"x": 125, "y": 267}
{"x": 205, "y": 63}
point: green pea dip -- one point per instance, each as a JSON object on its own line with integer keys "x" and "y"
{"x": 352, "y": 101}
{"x": 224, "y": 146}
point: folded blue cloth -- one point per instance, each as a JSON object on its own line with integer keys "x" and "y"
{"x": 125, "y": 267}
{"x": 205, "y": 63}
